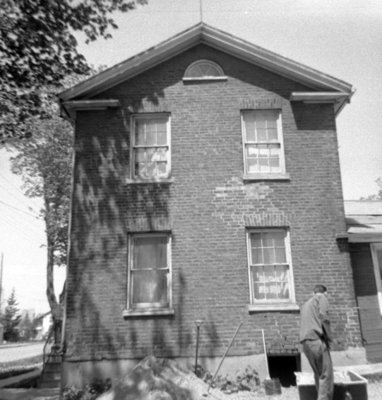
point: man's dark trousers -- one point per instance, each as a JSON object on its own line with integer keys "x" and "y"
{"x": 319, "y": 358}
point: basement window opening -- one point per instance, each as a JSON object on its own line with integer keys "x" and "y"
{"x": 283, "y": 367}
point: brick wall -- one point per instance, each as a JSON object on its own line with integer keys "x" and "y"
{"x": 207, "y": 207}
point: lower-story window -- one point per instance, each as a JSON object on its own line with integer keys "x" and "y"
{"x": 149, "y": 277}
{"x": 270, "y": 266}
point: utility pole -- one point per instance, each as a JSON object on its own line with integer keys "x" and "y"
{"x": 1, "y": 278}
{"x": 1, "y": 293}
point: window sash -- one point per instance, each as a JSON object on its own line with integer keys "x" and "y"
{"x": 270, "y": 269}
{"x": 153, "y": 277}
{"x": 376, "y": 253}
{"x": 150, "y": 147}
{"x": 262, "y": 141}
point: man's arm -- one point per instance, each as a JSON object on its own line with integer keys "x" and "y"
{"x": 323, "y": 312}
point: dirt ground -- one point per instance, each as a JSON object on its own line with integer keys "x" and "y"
{"x": 164, "y": 380}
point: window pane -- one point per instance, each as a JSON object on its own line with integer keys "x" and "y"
{"x": 261, "y": 122}
{"x": 269, "y": 255}
{"x": 274, "y": 163}
{"x": 162, "y": 136}
{"x": 269, "y": 274}
{"x": 279, "y": 238}
{"x": 258, "y": 274}
{"x": 140, "y": 155}
{"x": 150, "y": 252}
{"x": 149, "y": 287}
{"x": 271, "y": 117}
{"x": 253, "y": 165}
{"x": 249, "y": 124}
{"x": 262, "y": 135}
{"x": 139, "y": 132}
{"x": 259, "y": 291}
{"x": 161, "y": 154}
{"x": 162, "y": 169}
{"x": 140, "y": 170}
{"x": 281, "y": 272}
{"x": 263, "y": 163}
{"x": 272, "y": 290}
{"x": 280, "y": 255}
{"x": 284, "y": 290}
{"x": 252, "y": 151}
{"x": 257, "y": 256}
{"x": 272, "y": 135}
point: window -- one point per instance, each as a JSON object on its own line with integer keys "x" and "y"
{"x": 149, "y": 278}
{"x": 262, "y": 139}
{"x": 204, "y": 70}
{"x": 270, "y": 266}
{"x": 151, "y": 147}
{"x": 376, "y": 251}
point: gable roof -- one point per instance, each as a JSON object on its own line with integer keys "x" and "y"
{"x": 202, "y": 33}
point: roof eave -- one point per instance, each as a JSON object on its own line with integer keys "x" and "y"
{"x": 202, "y": 33}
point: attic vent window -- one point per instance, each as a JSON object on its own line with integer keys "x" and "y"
{"x": 204, "y": 70}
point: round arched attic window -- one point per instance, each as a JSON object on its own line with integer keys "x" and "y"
{"x": 204, "y": 70}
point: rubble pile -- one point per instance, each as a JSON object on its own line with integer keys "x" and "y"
{"x": 162, "y": 379}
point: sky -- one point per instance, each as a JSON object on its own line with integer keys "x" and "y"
{"x": 342, "y": 38}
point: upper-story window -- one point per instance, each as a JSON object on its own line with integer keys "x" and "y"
{"x": 151, "y": 158}
{"x": 204, "y": 70}
{"x": 263, "y": 142}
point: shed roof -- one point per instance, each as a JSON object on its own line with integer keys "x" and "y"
{"x": 364, "y": 220}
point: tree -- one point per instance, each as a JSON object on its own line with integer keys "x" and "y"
{"x": 44, "y": 163}
{"x": 11, "y": 319}
{"x": 378, "y": 195}
{"x": 38, "y": 49}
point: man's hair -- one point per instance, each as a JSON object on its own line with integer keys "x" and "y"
{"x": 320, "y": 289}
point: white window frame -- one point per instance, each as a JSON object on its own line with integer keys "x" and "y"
{"x": 376, "y": 247}
{"x": 149, "y": 308}
{"x": 256, "y": 304}
{"x": 212, "y": 64}
{"x": 146, "y": 116}
{"x": 281, "y": 174}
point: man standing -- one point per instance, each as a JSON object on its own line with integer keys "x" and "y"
{"x": 315, "y": 336}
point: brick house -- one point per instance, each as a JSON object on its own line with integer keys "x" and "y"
{"x": 364, "y": 235}
{"x": 206, "y": 187}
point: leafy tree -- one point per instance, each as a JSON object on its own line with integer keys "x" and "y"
{"x": 44, "y": 163}
{"x": 38, "y": 48}
{"x": 11, "y": 319}
{"x": 378, "y": 195}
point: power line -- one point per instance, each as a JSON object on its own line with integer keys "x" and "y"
{"x": 19, "y": 210}
{"x": 22, "y": 232}
{"x": 17, "y": 189}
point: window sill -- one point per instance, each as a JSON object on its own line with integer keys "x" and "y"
{"x": 148, "y": 312}
{"x": 166, "y": 181}
{"x": 205, "y": 79}
{"x": 262, "y": 307}
{"x": 267, "y": 177}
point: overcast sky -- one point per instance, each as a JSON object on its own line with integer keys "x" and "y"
{"x": 342, "y": 38}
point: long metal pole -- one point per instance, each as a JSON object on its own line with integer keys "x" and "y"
{"x": 198, "y": 324}
{"x": 1, "y": 278}
{"x": 265, "y": 354}
{"x": 224, "y": 355}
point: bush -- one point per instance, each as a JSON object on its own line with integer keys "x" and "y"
{"x": 246, "y": 380}
{"x": 90, "y": 392}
